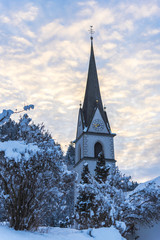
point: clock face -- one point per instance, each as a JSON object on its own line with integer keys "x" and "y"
{"x": 98, "y": 125}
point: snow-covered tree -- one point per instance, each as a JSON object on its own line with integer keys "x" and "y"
{"x": 70, "y": 156}
{"x": 111, "y": 202}
{"x": 105, "y": 194}
{"x": 101, "y": 171}
{"x": 85, "y": 208}
{"x": 120, "y": 181}
{"x": 33, "y": 178}
{"x": 6, "y": 114}
{"x": 130, "y": 208}
{"x": 142, "y": 206}
{"x": 67, "y": 218}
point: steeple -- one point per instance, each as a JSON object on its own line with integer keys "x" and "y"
{"x": 93, "y": 130}
{"x": 92, "y": 98}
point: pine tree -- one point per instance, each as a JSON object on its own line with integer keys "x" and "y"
{"x": 85, "y": 208}
{"x": 120, "y": 181}
{"x": 110, "y": 195}
{"x": 101, "y": 171}
{"x": 70, "y": 156}
{"x": 67, "y": 216}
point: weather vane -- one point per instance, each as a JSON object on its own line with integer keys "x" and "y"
{"x": 91, "y": 31}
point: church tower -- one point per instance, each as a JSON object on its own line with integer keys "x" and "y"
{"x": 93, "y": 129}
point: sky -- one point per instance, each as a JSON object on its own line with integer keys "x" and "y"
{"x": 45, "y": 49}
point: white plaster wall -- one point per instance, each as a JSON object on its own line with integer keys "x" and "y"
{"x": 87, "y": 143}
{"x": 79, "y": 143}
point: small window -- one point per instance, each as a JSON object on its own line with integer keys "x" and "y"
{"x": 79, "y": 153}
{"x": 97, "y": 149}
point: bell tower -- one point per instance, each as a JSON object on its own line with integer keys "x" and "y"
{"x": 93, "y": 129}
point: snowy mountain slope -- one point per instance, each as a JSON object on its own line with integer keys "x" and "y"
{"x": 155, "y": 181}
{"x": 111, "y": 233}
{"x": 149, "y": 184}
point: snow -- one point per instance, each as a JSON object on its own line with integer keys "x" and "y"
{"x": 28, "y": 107}
{"x": 106, "y": 233}
{"x": 154, "y": 182}
{"x": 15, "y": 149}
{"x": 146, "y": 233}
{"x": 85, "y": 129}
{"x": 85, "y": 164}
{"x": 121, "y": 225}
{"x": 111, "y": 233}
{"x": 5, "y": 115}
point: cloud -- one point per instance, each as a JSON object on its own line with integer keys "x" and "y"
{"x": 51, "y": 29}
{"x": 28, "y": 14}
{"x": 139, "y": 11}
{"x": 152, "y": 32}
{"x": 21, "y": 40}
{"x": 46, "y": 64}
{"x": 4, "y": 19}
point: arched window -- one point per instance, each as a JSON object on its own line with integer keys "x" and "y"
{"x": 97, "y": 149}
{"x": 79, "y": 153}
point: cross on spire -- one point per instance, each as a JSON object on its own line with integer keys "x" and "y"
{"x": 91, "y": 31}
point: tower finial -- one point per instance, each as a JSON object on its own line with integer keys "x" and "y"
{"x": 91, "y": 31}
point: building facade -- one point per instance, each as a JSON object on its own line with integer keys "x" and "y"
{"x": 93, "y": 129}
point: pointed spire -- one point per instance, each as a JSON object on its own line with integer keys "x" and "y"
{"x": 92, "y": 95}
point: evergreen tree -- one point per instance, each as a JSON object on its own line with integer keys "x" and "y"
{"x": 101, "y": 171}
{"x": 120, "y": 181}
{"x": 105, "y": 195}
{"x": 70, "y": 156}
{"x": 85, "y": 175}
{"x": 67, "y": 217}
{"x": 85, "y": 209}
{"x": 111, "y": 202}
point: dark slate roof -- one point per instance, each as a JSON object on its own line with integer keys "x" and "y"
{"x": 92, "y": 93}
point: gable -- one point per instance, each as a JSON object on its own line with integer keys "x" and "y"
{"x": 98, "y": 124}
{"x": 79, "y": 125}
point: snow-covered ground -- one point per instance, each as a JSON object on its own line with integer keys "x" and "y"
{"x": 149, "y": 233}
{"x": 111, "y": 233}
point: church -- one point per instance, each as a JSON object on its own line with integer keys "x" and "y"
{"x": 94, "y": 133}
